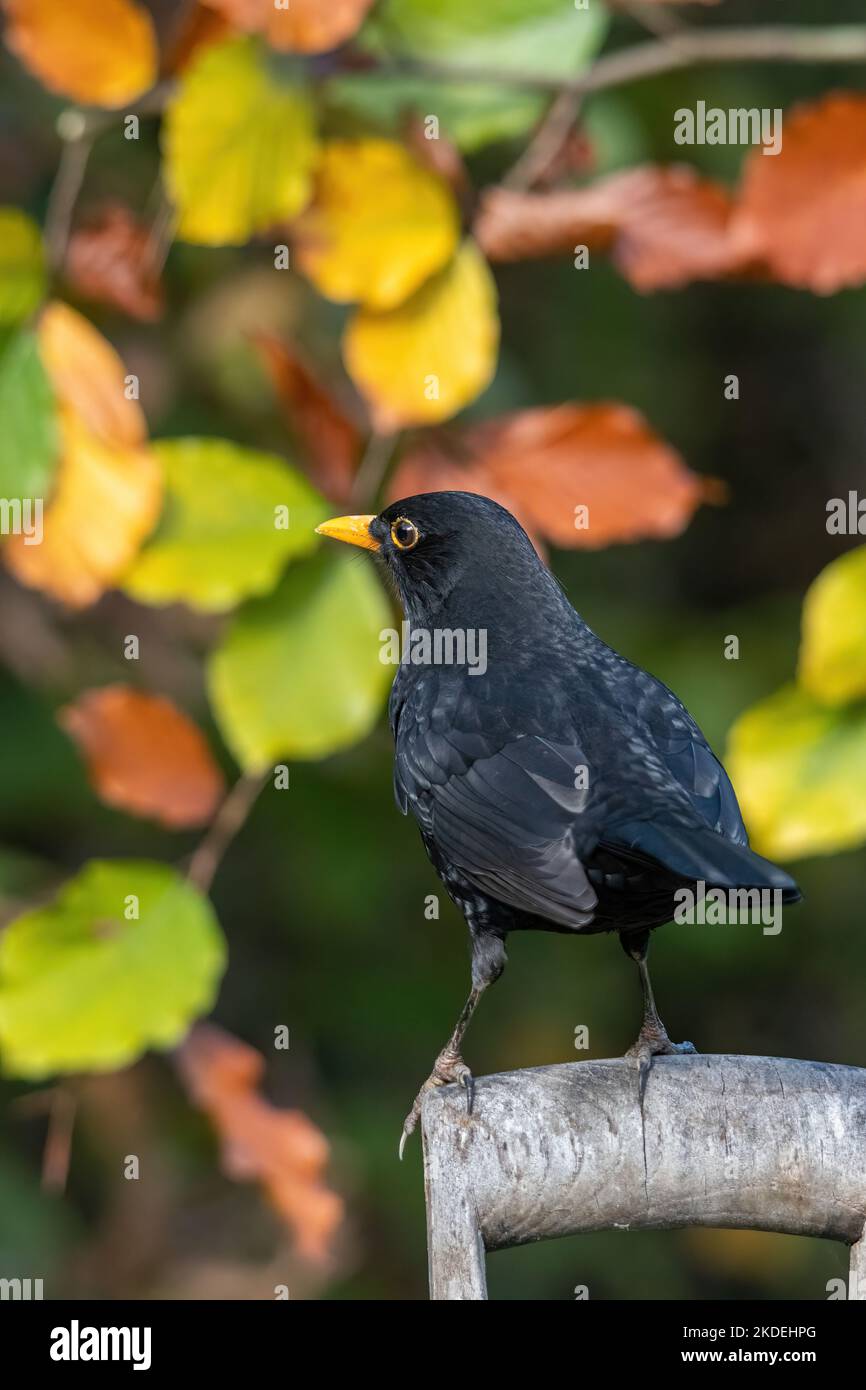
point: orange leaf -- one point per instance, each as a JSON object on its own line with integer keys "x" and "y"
{"x": 99, "y": 52}
{"x": 282, "y": 1149}
{"x": 297, "y": 26}
{"x": 549, "y": 464}
{"x": 804, "y": 210}
{"x": 330, "y": 440}
{"x": 88, "y": 376}
{"x": 144, "y": 756}
{"x": 106, "y": 500}
{"x": 109, "y": 259}
{"x": 663, "y": 226}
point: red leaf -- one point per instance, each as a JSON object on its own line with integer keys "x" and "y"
{"x": 109, "y": 260}
{"x": 144, "y": 756}
{"x": 331, "y": 441}
{"x": 282, "y": 1149}
{"x": 548, "y": 464}
{"x": 804, "y": 210}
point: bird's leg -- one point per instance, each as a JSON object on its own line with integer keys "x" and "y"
{"x": 652, "y": 1040}
{"x": 448, "y": 1067}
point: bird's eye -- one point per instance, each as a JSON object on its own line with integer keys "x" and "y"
{"x": 404, "y": 533}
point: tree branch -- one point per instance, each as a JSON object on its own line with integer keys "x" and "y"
{"x": 226, "y": 823}
{"x": 686, "y": 48}
{"x": 761, "y": 1143}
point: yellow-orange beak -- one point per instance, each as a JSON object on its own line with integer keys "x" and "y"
{"x": 355, "y": 530}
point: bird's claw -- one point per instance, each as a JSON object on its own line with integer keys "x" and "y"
{"x": 448, "y": 1068}
{"x": 654, "y": 1042}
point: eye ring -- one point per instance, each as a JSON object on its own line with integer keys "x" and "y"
{"x": 404, "y": 533}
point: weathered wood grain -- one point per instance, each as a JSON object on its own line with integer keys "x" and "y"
{"x": 766, "y": 1143}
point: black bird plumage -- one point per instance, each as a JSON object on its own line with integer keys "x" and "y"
{"x": 564, "y": 789}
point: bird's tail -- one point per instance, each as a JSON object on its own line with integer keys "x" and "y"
{"x": 699, "y": 853}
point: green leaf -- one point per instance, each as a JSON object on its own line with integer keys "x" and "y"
{"x": 223, "y": 533}
{"x": 82, "y": 987}
{"x": 547, "y": 37}
{"x": 298, "y": 674}
{"x": 833, "y": 650}
{"x": 22, "y": 266}
{"x": 239, "y": 147}
{"x": 799, "y": 770}
{"x": 28, "y": 434}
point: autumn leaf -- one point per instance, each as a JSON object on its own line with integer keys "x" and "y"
{"x": 125, "y": 957}
{"x": 281, "y": 1149}
{"x": 239, "y": 147}
{"x": 106, "y": 500}
{"x": 798, "y": 768}
{"x": 832, "y": 663}
{"x": 108, "y": 487}
{"x": 88, "y": 376}
{"x": 195, "y": 30}
{"x": 232, "y": 519}
{"x": 110, "y": 259}
{"x": 296, "y": 26}
{"x": 98, "y": 52}
{"x": 578, "y": 475}
{"x": 308, "y": 26}
{"x": 803, "y": 210}
{"x": 422, "y": 362}
{"x": 379, "y": 225}
{"x": 663, "y": 227}
{"x": 144, "y": 756}
{"x": 330, "y": 441}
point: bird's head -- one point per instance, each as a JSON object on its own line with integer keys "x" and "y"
{"x": 443, "y": 548}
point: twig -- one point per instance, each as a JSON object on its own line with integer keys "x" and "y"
{"x": 371, "y": 470}
{"x": 58, "y": 1141}
{"x": 546, "y": 143}
{"x": 772, "y": 43}
{"x": 78, "y": 136}
{"x": 226, "y": 823}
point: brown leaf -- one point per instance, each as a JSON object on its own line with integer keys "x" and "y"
{"x": 548, "y": 464}
{"x": 663, "y": 226}
{"x": 194, "y": 31}
{"x": 331, "y": 441}
{"x": 282, "y": 1149}
{"x": 144, "y": 756}
{"x": 109, "y": 259}
{"x": 440, "y": 156}
{"x": 804, "y": 210}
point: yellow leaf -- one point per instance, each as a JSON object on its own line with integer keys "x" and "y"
{"x": 88, "y": 376}
{"x": 833, "y": 649}
{"x": 422, "y": 362}
{"x": 799, "y": 769}
{"x": 239, "y": 148}
{"x": 379, "y": 225}
{"x": 99, "y": 52}
{"x": 107, "y": 498}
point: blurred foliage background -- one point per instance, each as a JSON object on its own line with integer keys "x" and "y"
{"x": 321, "y": 897}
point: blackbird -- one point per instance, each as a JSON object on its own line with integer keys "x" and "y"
{"x": 560, "y": 788}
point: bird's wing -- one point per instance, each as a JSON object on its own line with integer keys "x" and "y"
{"x": 509, "y": 817}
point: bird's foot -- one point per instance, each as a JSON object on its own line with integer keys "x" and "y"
{"x": 653, "y": 1041}
{"x": 448, "y": 1068}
